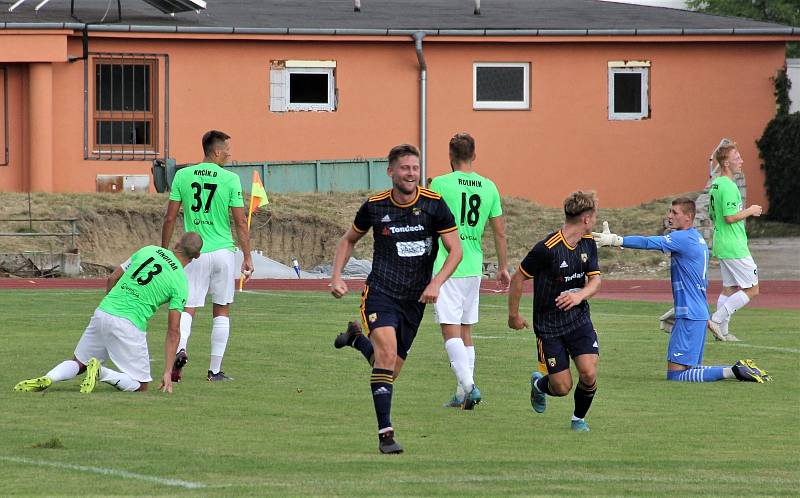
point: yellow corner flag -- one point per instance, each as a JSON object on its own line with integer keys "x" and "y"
{"x": 258, "y": 198}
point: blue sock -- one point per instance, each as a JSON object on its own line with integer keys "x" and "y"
{"x": 381, "y": 383}
{"x": 696, "y": 374}
{"x": 365, "y": 346}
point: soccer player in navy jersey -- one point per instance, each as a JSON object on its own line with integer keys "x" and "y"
{"x": 565, "y": 275}
{"x": 689, "y": 274}
{"x": 407, "y": 222}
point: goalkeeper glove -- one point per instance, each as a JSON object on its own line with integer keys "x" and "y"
{"x": 606, "y": 238}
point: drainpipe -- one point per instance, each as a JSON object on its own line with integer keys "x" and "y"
{"x": 423, "y": 110}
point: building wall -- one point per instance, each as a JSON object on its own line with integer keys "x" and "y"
{"x": 699, "y": 92}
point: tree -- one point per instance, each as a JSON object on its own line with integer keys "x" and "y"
{"x": 778, "y": 11}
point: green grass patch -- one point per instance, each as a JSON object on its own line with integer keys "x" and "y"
{"x": 298, "y": 418}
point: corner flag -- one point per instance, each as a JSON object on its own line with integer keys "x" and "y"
{"x": 258, "y": 198}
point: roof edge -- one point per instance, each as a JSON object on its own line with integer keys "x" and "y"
{"x": 130, "y": 28}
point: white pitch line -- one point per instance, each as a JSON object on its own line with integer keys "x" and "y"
{"x": 771, "y": 348}
{"x": 109, "y": 472}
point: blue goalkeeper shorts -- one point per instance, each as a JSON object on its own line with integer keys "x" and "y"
{"x": 686, "y": 342}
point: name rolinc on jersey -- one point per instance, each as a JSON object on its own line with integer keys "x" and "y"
{"x": 203, "y": 222}
{"x": 407, "y": 228}
{"x": 469, "y": 183}
{"x": 166, "y": 258}
{"x": 205, "y": 172}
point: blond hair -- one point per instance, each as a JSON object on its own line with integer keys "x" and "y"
{"x": 722, "y": 152}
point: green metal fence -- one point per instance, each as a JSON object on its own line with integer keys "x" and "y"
{"x": 342, "y": 175}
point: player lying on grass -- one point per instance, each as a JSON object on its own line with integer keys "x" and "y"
{"x": 689, "y": 275}
{"x": 137, "y": 288}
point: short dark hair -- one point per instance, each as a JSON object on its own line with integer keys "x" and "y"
{"x": 462, "y": 147}
{"x": 212, "y": 139}
{"x": 401, "y": 150}
{"x": 687, "y": 205}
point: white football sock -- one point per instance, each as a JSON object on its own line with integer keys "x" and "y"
{"x": 186, "y": 330}
{"x": 118, "y": 380}
{"x": 721, "y": 300}
{"x": 220, "y": 330}
{"x": 64, "y": 371}
{"x": 734, "y": 302}
{"x": 471, "y": 357}
{"x": 460, "y": 362}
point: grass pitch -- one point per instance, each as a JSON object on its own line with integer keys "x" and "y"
{"x": 298, "y": 419}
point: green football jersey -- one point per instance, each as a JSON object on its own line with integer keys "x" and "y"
{"x": 730, "y": 239}
{"x": 472, "y": 199}
{"x": 207, "y": 192}
{"x": 153, "y": 276}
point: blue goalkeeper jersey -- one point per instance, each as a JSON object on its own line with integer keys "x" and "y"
{"x": 688, "y": 269}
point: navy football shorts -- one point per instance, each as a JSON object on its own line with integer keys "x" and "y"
{"x": 554, "y": 352}
{"x": 380, "y": 310}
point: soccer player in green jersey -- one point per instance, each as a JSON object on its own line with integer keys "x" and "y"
{"x": 118, "y": 329}
{"x": 739, "y": 271}
{"x": 207, "y": 192}
{"x": 474, "y": 200}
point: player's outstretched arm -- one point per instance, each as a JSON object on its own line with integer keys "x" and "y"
{"x": 606, "y": 238}
{"x": 170, "y": 346}
{"x": 344, "y": 249}
{"x": 754, "y": 210}
{"x": 515, "y": 321}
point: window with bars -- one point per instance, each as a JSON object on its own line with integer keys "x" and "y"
{"x": 125, "y": 117}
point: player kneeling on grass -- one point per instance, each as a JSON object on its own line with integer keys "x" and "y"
{"x": 151, "y": 277}
{"x": 565, "y": 275}
{"x": 689, "y": 275}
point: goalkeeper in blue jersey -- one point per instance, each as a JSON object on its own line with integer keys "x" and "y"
{"x": 689, "y": 275}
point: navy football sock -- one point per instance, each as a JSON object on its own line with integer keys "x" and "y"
{"x": 381, "y": 382}
{"x": 543, "y": 384}
{"x": 583, "y": 398}
{"x": 364, "y": 345}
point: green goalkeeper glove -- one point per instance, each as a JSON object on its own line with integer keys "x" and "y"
{"x": 606, "y": 238}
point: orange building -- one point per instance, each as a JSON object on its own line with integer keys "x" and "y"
{"x": 560, "y": 94}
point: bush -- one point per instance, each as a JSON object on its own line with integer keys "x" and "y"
{"x": 779, "y": 148}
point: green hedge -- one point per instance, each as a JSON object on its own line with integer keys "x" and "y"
{"x": 779, "y": 148}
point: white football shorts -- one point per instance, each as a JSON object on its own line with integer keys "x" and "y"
{"x": 740, "y": 272}
{"x": 211, "y": 271}
{"x": 458, "y": 301}
{"x": 112, "y": 337}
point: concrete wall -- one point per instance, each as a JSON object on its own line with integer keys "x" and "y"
{"x": 699, "y": 92}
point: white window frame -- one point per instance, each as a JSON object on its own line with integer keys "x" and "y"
{"x": 629, "y": 67}
{"x": 280, "y": 88}
{"x": 502, "y": 105}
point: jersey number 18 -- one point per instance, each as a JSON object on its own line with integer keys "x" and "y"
{"x": 472, "y": 215}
